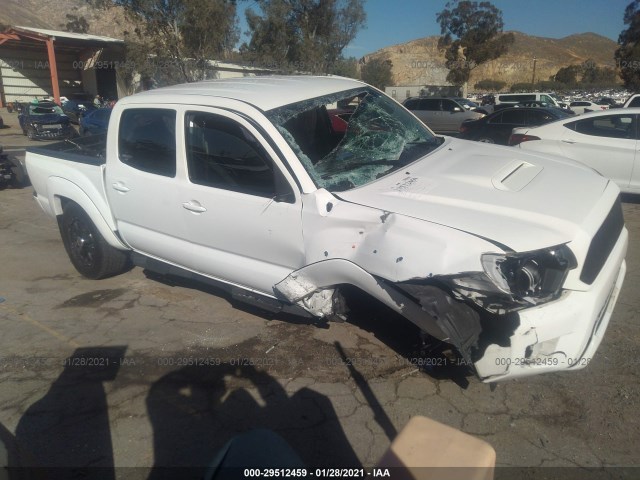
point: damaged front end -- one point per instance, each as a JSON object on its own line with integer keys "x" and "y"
{"x": 476, "y": 312}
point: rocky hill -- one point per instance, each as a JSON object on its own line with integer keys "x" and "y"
{"x": 52, "y": 14}
{"x": 419, "y": 62}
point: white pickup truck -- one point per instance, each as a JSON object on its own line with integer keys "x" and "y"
{"x": 288, "y": 189}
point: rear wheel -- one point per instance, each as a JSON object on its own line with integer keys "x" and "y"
{"x": 19, "y": 178}
{"x": 89, "y": 252}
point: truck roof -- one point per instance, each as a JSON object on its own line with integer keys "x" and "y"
{"x": 265, "y": 92}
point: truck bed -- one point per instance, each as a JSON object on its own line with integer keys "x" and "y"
{"x": 71, "y": 169}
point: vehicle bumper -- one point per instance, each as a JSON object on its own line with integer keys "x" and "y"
{"x": 53, "y": 134}
{"x": 563, "y": 334}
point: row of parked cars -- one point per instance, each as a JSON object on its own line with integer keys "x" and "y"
{"x": 602, "y": 138}
{"x": 44, "y": 120}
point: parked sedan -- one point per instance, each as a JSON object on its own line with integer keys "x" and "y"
{"x": 497, "y": 127}
{"x": 442, "y": 115}
{"x": 44, "y": 120}
{"x": 95, "y": 122}
{"x": 605, "y": 141}
{"x": 584, "y": 106}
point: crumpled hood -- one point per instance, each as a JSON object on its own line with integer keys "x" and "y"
{"x": 522, "y": 200}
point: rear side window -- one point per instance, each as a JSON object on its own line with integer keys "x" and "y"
{"x": 147, "y": 140}
{"x": 429, "y": 104}
{"x": 611, "y": 126}
{"x": 411, "y": 104}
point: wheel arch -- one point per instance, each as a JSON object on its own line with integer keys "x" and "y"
{"x": 66, "y": 192}
{"x": 316, "y": 277}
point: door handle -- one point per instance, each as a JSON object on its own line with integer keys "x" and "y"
{"x": 120, "y": 187}
{"x": 194, "y": 207}
{"x": 568, "y": 140}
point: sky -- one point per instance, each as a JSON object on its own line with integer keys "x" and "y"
{"x": 390, "y": 22}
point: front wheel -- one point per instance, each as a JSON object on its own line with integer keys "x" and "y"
{"x": 89, "y": 252}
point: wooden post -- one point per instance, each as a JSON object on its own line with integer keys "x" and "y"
{"x": 53, "y": 69}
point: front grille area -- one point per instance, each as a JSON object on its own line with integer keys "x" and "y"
{"x": 602, "y": 243}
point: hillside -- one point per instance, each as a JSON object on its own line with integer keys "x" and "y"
{"x": 51, "y": 14}
{"x": 420, "y": 62}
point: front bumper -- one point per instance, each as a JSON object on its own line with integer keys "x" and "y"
{"x": 64, "y": 132}
{"x": 563, "y": 334}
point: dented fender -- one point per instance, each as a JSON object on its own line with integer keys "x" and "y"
{"x": 306, "y": 282}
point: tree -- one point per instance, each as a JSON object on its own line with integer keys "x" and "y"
{"x": 345, "y": 67}
{"x": 472, "y": 35}
{"x": 302, "y": 35}
{"x": 568, "y": 75}
{"x": 175, "y": 39}
{"x": 76, "y": 24}
{"x": 377, "y": 72}
{"x": 628, "y": 53}
{"x": 492, "y": 85}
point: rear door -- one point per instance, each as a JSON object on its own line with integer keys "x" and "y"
{"x": 142, "y": 183}
{"x": 606, "y": 143}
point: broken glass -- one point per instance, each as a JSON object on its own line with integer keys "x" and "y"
{"x": 350, "y": 138}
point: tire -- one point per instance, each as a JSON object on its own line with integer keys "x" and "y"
{"x": 19, "y": 178}
{"x": 31, "y": 135}
{"x": 89, "y": 252}
{"x": 485, "y": 140}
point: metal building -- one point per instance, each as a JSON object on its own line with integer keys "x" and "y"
{"x": 36, "y": 63}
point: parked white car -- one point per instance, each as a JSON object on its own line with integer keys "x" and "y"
{"x": 585, "y": 106}
{"x": 605, "y": 141}
{"x": 253, "y": 185}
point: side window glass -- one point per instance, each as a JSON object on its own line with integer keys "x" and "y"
{"x": 429, "y": 104}
{"x": 611, "y": 126}
{"x": 223, "y": 154}
{"x": 147, "y": 140}
{"x": 635, "y": 102}
{"x": 538, "y": 117}
{"x": 514, "y": 117}
{"x": 448, "y": 105}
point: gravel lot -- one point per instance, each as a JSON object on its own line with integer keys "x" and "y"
{"x": 187, "y": 369}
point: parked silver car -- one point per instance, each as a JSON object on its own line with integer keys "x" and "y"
{"x": 442, "y": 115}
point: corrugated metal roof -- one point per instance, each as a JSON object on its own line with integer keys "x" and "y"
{"x": 69, "y": 35}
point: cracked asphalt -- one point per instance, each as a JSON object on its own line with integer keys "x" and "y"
{"x": 141, "y": 371}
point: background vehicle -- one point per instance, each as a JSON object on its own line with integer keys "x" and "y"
{"x": 442, "y": 115}
{"x": 207, "y": 181}
{"x": 75, "y": 109}
{"x": 44, "y": 120}
{"x": 585, "y": 106}
{"x": 514, "y": 98}
{"x": 605, "y": 141}
{"x": 497, "y": 127}
{"x": 12, "y": 171}
{"x": 632, "y": 101}
{"x": 95, "y": 122}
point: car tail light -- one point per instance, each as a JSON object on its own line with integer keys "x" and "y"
{"x": 518, "y": 138}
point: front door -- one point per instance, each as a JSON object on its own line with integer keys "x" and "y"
{"x": 239, "y": 207}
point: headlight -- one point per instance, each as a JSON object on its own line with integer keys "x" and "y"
{"x": 530, "y": 276}
{"x": 512, "y": 281}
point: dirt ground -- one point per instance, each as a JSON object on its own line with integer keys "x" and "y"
{"x": 182, "y": 369}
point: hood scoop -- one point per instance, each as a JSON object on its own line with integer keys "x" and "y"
{"x": 515, "y": 176}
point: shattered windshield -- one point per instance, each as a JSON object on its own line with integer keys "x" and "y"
{"x": 348, "y": 139}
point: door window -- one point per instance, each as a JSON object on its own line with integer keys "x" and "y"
{"x": 222, "y": 153}
{"x": 612, "y": 126}
{"x": 147, "y": 140}
{"x": 513, "y": 117}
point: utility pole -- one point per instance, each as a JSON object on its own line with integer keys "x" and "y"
{"x": 533, "y": 77}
